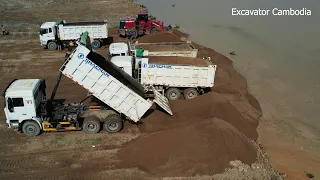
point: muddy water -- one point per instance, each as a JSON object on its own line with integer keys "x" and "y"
{"x": 277, "y": 54}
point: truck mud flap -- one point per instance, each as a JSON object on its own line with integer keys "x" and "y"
{"x": 161, "y": 100}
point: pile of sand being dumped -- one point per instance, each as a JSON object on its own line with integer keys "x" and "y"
{"x": 199, "y": 109}
{"x": 202, "y": 137}
{"x": 200, "y": 148}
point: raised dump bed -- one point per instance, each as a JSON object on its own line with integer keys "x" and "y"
{"x": 182, "y": 49}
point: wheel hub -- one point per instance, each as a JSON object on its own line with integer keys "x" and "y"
{"x": 31, "y": 129}
{"x": 113, "y": 126}
{"x": 174, "y": 95}
{"x": 91, "y": 126}
{"x": 191, "y": 95}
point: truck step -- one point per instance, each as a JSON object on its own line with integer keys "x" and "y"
{"x": 60, "y": 127}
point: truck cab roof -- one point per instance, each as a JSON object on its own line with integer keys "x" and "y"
{"x": 22, "y": 87}
{"x": 118, "y": 48}
{"x": 48, "y": 24}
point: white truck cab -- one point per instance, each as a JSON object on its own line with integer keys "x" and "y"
{"x": 47, "y": 32}
{"x": 21, "y": 101}
{"x": 118, "y": 49}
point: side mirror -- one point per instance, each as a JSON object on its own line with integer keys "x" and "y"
{"x": 10, "y": 105}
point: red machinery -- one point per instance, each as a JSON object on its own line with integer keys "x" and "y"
{"x": 140, "y": 26}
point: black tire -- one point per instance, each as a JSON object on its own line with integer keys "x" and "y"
{"x": 190, "y": 93}
{"x": 96, "y": 44}
{"x": 91, "y": 125}
{"x": 155, "y": 30}
{"x": 173, "y": 94}
{"x": 31, "y": 128}
{"x": 52, "y": 46}
{"x": 113, "y": 123}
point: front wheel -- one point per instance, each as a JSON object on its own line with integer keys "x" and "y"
{"x": 91, "y": 125}
{"x": 113, "y": 123}
{"x": 31, "y": 128}
{"x": 96, "y": 44}
{"x": 52, "y": 46}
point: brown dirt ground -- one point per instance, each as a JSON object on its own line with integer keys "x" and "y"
{"x": 37, "y": 12}
{"x": 202, "y": 137}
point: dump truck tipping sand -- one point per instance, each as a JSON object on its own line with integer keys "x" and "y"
{"x": 109, "y": 84}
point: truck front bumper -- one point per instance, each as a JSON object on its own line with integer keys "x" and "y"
{"x": 43, "y": 43}
{"x": 12, "y": 124}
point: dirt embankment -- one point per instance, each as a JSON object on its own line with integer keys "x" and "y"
{"x": 205, "y": 133}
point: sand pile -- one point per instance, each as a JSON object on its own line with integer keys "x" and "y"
{"x": 178, "y": 60}
{"x": 206, "y": 147}
{"x": 205, "y": 133}
{"x": 202, "y": 137}
{"x": 199, "y": 109}
{"x": 159, "y": 37}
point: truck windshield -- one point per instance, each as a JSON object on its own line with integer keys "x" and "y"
{"x": 122, "y": 25}
{"x": 43, "y": 31}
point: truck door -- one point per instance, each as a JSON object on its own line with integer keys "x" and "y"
{"x": 15, "y": 108}
{"x": 46, "y": 34}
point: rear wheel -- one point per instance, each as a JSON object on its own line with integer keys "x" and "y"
{"x": 113, "y": 123}
{"x": 96, "y": 44}
{"x": 31, "y": 128}
{"x": 173, "y": 94}
{"x": 91, "y": 125}
{"x": 190, "y": 93}
{"x": 52, "y": 46}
